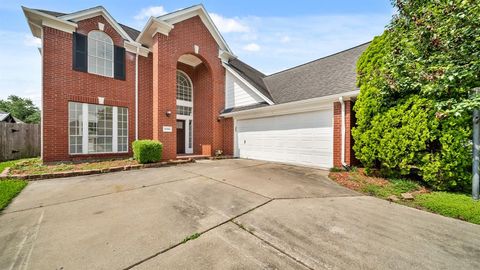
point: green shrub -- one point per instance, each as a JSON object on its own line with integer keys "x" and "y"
{"x": 147, "y": 151}
{"x": 414, "y": 109}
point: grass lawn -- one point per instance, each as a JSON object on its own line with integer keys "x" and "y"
{"x": 35, "y": 166}
{"x": 8, "y": 190}
{"x": 460, "y": 206}
{"x": 6, "y": 164}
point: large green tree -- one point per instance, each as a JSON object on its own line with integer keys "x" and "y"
{"x": 21, "y": 108}
{"x": 414, "y": 106}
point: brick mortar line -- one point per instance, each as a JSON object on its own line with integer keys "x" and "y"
{"x": 273, "y": 246}
{"x": 96, "y": 196}
{"x": 200, "y": 234}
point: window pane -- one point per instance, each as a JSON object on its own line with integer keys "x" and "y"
{"x": 75, "y": 127}
{"x": 100, "y": 53}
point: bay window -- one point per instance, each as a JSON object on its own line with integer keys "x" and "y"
{"x": 97, "y": 128}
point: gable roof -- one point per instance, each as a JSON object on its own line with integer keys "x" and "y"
{"x": 330, "y": 75}
{"x": 253, "y": 76}
{"x": 200, "y": 11}
{"x": 131, "y": 32}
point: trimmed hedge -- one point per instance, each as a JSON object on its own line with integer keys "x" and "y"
{"x": 147, "y": 151}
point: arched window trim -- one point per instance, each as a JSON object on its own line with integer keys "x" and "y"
{"x": 184, "y": 97}
{"x": 100, "y": 64}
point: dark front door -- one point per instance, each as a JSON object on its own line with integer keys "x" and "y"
{"x": 180, "y": 136}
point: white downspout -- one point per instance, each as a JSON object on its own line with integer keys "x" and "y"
{"x": 136, "y": 93}
{"x": 343, "y": 132}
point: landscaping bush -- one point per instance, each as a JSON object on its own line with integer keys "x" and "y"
{"x": 147, "y": 151}
{"x": 414, "y": 109}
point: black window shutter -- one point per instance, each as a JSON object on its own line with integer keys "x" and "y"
{"x": 79, "y": 52}
{"x": 119, "y": 63}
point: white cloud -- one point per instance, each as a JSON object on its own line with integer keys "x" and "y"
{"x": 146, "y": 13}
{"x": 252, "y": 47}
{"x": 291, "y": 41}
{"x": 32, "y": 41}
{"x": 285, "y": 39}
{"x": 229, "y": 25}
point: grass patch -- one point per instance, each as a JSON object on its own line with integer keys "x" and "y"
{"x": 460, "y": 206}
{"x": 8, "y": 190}
{"x": 453, "y": 205}
{"x": 191, "y": 237}
{"x": 394, "y": 187}
{"x": 8, "y": 164}
{"x": 36, "y": 167}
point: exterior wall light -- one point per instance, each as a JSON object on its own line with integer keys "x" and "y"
{"x": 168, "y": 113}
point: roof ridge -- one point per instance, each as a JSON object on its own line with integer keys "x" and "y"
{"x": 178, "y": 10}
{"x": 318, "y": 59}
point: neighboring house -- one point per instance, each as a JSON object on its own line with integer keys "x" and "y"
{"x": 8, "y": 118}
{"x": 177, "y": 81}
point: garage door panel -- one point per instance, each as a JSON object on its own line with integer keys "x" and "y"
{"x": 304, "y": 138}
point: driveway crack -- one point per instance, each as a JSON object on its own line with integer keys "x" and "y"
{"x": 97, "y": 195}
{"x": 272, "y": 245}
{"x": 196, "y": 235}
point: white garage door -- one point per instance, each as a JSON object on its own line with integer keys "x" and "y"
{"x": 304, "y": 138}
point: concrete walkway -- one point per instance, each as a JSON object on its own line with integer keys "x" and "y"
{"x": 239, "y": 214}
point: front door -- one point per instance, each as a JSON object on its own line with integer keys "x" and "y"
{"x": 180, "y": 136}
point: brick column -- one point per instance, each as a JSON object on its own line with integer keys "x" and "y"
{"x": 164, "y": 95}
{"x": 337, "y": 133}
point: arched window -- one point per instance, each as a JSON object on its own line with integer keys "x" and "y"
{"x": 184, "y": 87}
{"x": 100, "y": 54}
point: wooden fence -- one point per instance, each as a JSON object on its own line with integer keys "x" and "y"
{"x": 19, "y": 141}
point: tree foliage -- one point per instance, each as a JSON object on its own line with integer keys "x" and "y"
{"x": 415, "y": 104}
{"x": 21, "y": 108}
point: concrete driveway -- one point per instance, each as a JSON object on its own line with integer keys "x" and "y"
{"x": 249, "y": 214}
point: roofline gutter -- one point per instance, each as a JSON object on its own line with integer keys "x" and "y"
{"x": 301, "y": 105}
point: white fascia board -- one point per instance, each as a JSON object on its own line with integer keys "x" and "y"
{"x": 198, "y": 10}
{"x": 225, "y": 56}
{"x": 93, "y": 12}
{"x": 249, "y": 85}
{"x": 133, "y": 46}
{"x": 37, "y": 19}
{"x": 152, "y": 27}
{"x": 306, "y": 105}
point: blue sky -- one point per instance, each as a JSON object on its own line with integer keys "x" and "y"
{"x": 269, "y": 35}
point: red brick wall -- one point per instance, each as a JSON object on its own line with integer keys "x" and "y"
{"x": 157, "y": 89}
{"x": 62, "y": 84}
{"x": 228, "y": 136}
{"x": 337, "y": 134}
{"x": 145, "y": 96}
{"x": 208, "y": 83}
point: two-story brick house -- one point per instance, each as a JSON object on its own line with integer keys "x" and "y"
{"x": 177, "y": 81}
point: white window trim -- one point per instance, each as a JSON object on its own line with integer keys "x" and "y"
{"x": 105, "y": 59}
{"x": 188, "y": 150}
{"x": 85, "y": 132}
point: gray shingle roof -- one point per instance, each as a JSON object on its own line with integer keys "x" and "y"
{"x": 244, "y": 108}
{"x": 3, "y": 115}
{"x": 133, "y": 33}
{"x": 252, "y": 75}
{"x": 334, "y": 74}
{"x": 330, "y": 75}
